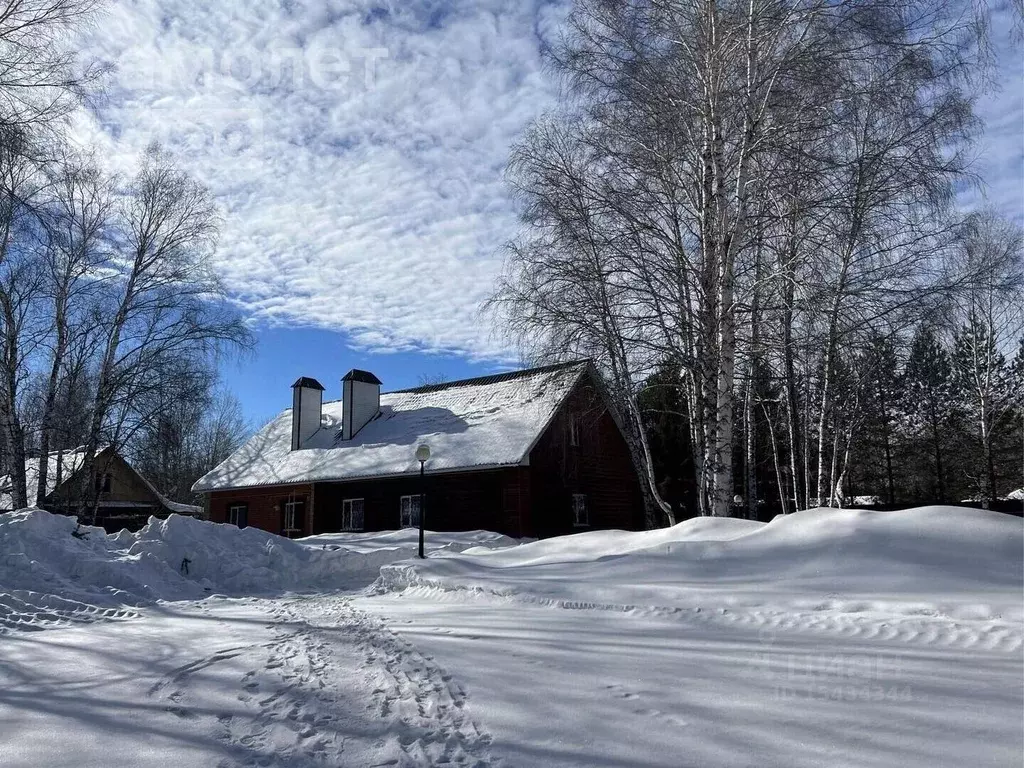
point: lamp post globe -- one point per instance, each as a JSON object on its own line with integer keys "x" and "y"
{"x": 422, "y": 456}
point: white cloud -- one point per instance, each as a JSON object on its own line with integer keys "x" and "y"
{"x": 363, "y": 190}
{"x": 357, "y": 147}
{"x": 1000, "y": 153}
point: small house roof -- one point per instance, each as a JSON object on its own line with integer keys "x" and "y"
{"x": 304, "y": 382}
{"x": 486, "y": 422}
{"x": 357, "y": 375}
{"x": 70, "y": 462}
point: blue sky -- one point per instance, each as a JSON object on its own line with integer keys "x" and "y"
{"x": 357, "y": 147}
{"x": 262, "y": 381}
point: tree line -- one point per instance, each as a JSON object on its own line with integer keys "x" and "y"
{"x": 112, "y": 318}
{"x": 746, "y": 213}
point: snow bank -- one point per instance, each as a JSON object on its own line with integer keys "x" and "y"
{"x": 49, "y": 567}
{"x": 408, "y": 539}
{"x": 967, "y": 562}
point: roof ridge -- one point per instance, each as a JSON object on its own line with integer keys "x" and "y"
{"x": 493, "y": 378}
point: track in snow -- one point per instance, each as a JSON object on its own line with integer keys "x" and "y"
{"x": 294, "y": 703}
{"x": 425, "y": 705}
{"x": 918, "y": 629}
{"x": 32, "y": 611}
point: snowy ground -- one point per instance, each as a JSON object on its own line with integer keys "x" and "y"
{"x": 826, "y": 638}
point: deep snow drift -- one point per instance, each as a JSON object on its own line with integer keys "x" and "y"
{"x": 53, "y": 571}
{"x": 825, "y": 638}
{"x": 958, "y": 563}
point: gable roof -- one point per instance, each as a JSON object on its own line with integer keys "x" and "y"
{"x": 486, "y": 422}
{"x": 71, "y": 461}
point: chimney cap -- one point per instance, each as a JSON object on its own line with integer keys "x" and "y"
{"x": 304, "y": 382}
{"x": 364, "y": 376}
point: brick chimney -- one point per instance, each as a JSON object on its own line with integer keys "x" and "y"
{"x": 360, "y": 394}
{"x": 307, "y": 406}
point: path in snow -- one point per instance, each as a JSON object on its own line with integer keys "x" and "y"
{"x": 231, "y": 683}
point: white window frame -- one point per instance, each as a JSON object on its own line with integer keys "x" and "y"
{"x": 233, "y": 513}
{"x": 580, "y": 511}
{"x": 353, "y": 519}
{"x": 289, "y": 510}
{"x": 574, "y": 430}
{"x": 413, "y": 508}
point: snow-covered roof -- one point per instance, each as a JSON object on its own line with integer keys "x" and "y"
{"x": 493, "y": 421}
{"x": 179, "y": 508}
{"x": 71, "y": 462}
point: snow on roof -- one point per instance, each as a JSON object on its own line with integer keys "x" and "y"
{"x": 181, "y": 509}
{"x": 71, "y": 462}
{"x": 491, "y": 421}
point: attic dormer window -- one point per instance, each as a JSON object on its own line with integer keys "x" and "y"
{"x": 574, "y": 430}
{"x": 580, "y": 511}
{"x": 103, "y": 482}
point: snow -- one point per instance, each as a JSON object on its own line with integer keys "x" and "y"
{"x": 407, "y": 540}
{"x": 940, "y": 560}
{"x": 828, "y": 637}
{"x": 466, "y": 425}
{"x": 54, "y": 572}
{"x": 867, "y": 501}
{"x": 70, "y": 462}
{"x": 179, "y": 508}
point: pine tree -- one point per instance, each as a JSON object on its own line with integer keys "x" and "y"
{"x": 927, "y": 400}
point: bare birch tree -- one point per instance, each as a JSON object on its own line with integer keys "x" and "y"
{"x": 163, "y": 305}
{"x": 41, "y": 79}
{"x": 77, "y": 221}
{"x": 722, "y": 166}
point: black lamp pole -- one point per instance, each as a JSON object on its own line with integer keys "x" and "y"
{"x": 422, "y": 510}
{"x": 422, "y": 456}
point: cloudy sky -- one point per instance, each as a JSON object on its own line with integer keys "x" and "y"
{"x": 358, "y": 147}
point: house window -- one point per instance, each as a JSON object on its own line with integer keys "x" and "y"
{"x": 238, "y": 514}
{"x": 292, "y": 521}
{"x": 352, "y": 515}
{"x": 574, "y": 430}
{"x": 103, "y": 483}
{"x": 580, "y": 512}
{"x": 410, "y": 511}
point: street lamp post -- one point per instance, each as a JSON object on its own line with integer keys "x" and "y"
{"x": 422, "y": 456}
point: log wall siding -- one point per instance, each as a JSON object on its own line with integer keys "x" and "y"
{"x": 515, "y": 503}
{"x": 530, "y": 501}
{"x": 266, "y": 505}
{"x": 454, "y": 502}
{"x": 599, "y": 468}
{"x": 125, "y": 485}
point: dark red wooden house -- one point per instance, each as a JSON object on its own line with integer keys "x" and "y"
{"x": 529, "y": 453}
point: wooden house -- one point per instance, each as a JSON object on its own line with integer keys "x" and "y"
{"x": 123, "y": 497}
{"x": 531, "y": 453}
